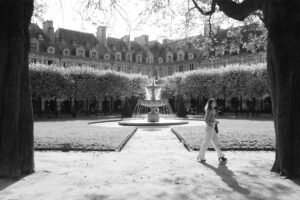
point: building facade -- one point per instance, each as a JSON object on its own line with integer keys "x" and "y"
{"x": 67, "y": 48}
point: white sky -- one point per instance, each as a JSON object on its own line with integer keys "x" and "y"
{"x": 65, "y": 14}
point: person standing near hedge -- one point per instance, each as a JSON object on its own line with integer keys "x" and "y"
{"x": 210, "y": 132}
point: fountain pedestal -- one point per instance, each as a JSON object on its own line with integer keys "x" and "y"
{"x": 153, "y": 115}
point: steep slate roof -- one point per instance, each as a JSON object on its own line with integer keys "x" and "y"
{"x": 155, "y": 48}
{"x": 136, "y": 47}
{"x": 85, "y": 40}
{"x": 102, "y": 50}
{"x": 118, "y": 43}
{"x": 88, "y": 41}
{"x": 186, "y": 45}
{"x": 35, "y": 32}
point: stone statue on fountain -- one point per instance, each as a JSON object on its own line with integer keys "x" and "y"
{"x": 153, "y": 115}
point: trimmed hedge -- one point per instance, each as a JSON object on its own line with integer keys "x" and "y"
{"x": 245, "y": 81}
{"x": 83, "y": 82}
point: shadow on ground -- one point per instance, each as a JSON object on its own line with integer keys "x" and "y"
{"x": 6, "y": 182}
{"x": 227, "y": 177}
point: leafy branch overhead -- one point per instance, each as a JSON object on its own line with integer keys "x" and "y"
{"x": 235, "y": 10}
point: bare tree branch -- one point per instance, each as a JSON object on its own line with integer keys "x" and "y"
{"x": 189, "y": 10}
{"x": 239, "y": 11}
{"x": 212, "y": 8}
{"x": 211, "y": 33}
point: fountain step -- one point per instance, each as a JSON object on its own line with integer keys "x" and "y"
{"x": 162, "y": 122}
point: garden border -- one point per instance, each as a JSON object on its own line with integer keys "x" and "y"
{"x": 190, "y": 148}
{"x": 67, "y": 149}
{"x": 124, "y": 142}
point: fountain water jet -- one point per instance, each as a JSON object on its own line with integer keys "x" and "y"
{"x": 153, "y": 108}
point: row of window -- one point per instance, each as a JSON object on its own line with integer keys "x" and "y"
{"x": 80, "y": 52}
{"x": 149, "y": 59}
{"x": 128, "y": 69}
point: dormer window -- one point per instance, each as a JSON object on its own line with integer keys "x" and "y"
{"x": 139, "y": 58}
{"x": 66, "y": 52}
{"x": 191, "y": 56}
{"x": 33, "y": 46}
{"x": 180, "y": 57}
{"x": 51, "y": 50}
{"x": 63, "y": 40}
{"x": 169, "y": 57}
{"x": 74, "y": 43}
{"x": 149, "y": 60}
{"x": 106, "y": 57}
{"x": 118, "y": 56}
{"x": 41, "y": 37}
{"x": 129, "y": 58}
{"x": 94, "y": 54}
{"x": 80, "y": 52}
{"x": 160, "y": 60}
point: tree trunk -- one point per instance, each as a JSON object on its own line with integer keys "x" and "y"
{"x": 284, "y": 74}
{"x": 16, "y": 117}
{"x": 282, "y": 19}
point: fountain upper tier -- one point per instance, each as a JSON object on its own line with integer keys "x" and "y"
{"x": 153, "y": 104}
{"x": 152, "y": 92}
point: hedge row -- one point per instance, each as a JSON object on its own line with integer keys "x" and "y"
{"x": 83, "y": 82}
{"x": 232, "y": 81}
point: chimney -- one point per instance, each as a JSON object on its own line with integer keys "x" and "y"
{"x": 142, "y": 40}
{"x": 101, "y": 35}
{"x": 126, "y": 40}
{"x": 166, "y": 41}
{"x": 49, "y": 30}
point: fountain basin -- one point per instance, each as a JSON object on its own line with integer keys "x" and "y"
{"x": 162, "y": 122}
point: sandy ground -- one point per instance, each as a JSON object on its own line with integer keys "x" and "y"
{"x": 153, "y": 165}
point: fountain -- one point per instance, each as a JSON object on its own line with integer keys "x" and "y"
{"x": 157, "y": 111}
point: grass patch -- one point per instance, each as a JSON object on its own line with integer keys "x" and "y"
{"x": 233, "y": 134}
{"x": 77, "y": 135}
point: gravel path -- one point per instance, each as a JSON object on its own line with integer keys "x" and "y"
{"x": 153, "y": 165}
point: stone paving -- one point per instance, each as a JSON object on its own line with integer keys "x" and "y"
{"x": 153, "y": 165}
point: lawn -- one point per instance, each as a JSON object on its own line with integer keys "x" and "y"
{"x": 79, "y": 136}
{"x": 233, "y": 134}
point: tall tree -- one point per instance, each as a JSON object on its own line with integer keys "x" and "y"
{"x": 16, "y": 119}
{"x": 281, "y": 18}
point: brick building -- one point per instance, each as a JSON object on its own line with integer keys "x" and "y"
{"x": 69, "y": 48}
